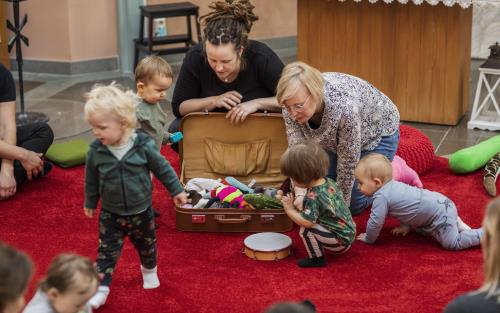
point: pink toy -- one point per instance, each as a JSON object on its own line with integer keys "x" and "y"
{"x": 229, "y": 194}
{"x": 403, "y": 173}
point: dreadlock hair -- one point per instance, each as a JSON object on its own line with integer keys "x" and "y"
{"x": 229, "y": 22}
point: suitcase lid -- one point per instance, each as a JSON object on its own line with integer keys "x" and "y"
{"x": 214, "y": 148}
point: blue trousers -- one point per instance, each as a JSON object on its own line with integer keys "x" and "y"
{"x": 359, "y": 202}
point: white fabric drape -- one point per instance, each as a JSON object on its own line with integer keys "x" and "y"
{"x": 462, "y": 3}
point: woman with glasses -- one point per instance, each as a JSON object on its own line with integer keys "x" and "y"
{"x": 346, "y": 115}
{"x": 227, "y": 72}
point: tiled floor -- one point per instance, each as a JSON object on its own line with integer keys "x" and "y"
{"x": 62, "y": 98}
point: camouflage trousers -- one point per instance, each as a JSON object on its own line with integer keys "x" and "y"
{"x": 113, "y": 228}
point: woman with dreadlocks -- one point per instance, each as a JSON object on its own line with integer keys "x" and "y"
{"x": 227, "y": 71}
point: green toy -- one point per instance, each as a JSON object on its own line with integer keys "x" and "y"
{"x": 473, "y": 158}
{"x": 262, "y": 201}
{"x": 69, "y": 153}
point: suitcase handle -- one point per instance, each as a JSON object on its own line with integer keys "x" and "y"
{"x": 242, "y": 220}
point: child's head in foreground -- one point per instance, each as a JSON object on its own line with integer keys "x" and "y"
{"x": 305, "y": 164}
{"x": 153, "y": 77}
{"x": 70, "y": 282}
{"x": 372, "y": 172}
{"x": 111, "y": 113}
{"x": 15, "y": 273}
{"x": 491, "y": 248}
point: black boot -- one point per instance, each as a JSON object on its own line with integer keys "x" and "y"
{"x": 312, "y": 262}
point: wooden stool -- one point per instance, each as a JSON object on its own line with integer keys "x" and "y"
{"x": 152, "y": 12}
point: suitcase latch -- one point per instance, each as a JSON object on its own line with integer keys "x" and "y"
{"x": 198, "y": 219}
{"x": 267, "y": 218}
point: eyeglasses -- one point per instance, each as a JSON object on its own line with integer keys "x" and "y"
{"x": 297, "y": 107}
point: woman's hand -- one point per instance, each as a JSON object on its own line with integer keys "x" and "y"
{"x": 227, "y": 100}
{"x": 32, "y": 162}
{"x": 240, "y": 112}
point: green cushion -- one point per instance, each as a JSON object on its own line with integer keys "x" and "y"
{"x": 473, "y": 158}
{"x": 69, "y": 153}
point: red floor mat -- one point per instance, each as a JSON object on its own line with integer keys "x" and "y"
{"x": 201, "y": 272}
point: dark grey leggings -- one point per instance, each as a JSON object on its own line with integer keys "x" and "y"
{"x": 34, "y": 137}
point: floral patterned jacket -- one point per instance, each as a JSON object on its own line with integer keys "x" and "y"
{"x": 355, "y": 117}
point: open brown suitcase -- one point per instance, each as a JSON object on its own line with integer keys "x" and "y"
{"x": 212, "y": 147}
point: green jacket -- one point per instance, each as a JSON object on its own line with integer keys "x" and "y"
{"x": 124, "y": 186}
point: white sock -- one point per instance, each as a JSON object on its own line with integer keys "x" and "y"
{"x": 461, "y": 225}
{"x": 150, "y": 278}
{"x": 100, "y": 297}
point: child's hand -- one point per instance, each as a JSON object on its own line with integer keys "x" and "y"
{"x": 181, "y": 199}
{"x": 279, "y": 194}
{"x": 287, "y": 202}
{"x": 401, "y": 230}
{"x": 89, "y": 212}
{"x": 361, "y": 237}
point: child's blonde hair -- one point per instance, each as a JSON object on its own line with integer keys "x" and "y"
{"x": 305, "y": 162}
{"x": 62, "y": 271}
{"x": 375, "y": 165}
{"x": 491, "y": 250}
{"x": 112, "y": 99}
{"x": 298, "y": 74}
{"x": 151, "y": 66}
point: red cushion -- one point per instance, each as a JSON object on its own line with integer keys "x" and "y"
{"x": 415, "y": 148}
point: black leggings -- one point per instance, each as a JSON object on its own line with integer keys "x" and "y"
{"x": 34, "y": 137}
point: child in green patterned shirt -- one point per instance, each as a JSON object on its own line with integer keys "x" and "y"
{"x": 325, "y": 220}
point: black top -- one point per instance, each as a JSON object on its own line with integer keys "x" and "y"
{"x": 258, "y": 80}
{"x": 7, "y": 85}
{"x": 473, "y": 302}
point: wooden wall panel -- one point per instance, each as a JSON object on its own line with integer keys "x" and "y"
{"x": 4, "y": 39}
{"x": 418, "y": 55}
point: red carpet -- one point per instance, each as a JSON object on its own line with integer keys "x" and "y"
{"x": 202, "y": 272}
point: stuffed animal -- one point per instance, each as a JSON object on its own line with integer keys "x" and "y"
{"x": 241, "y": 186}
{"x": 261, "y": 201}
{"x": 473, "y": 158}
{"x": 231, "y": 195}
{"x": 491, "y": 171}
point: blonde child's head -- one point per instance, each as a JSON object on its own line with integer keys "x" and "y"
{"x": 111, "y": 100}
{"x": 111, "y": 112}
{"x": 491, "y": 249}
{"x": 70, "y": 282}
{"x": 372, "y": 172}
{"x": 153, "y": 77}
{"x": 15, "y": 273}
{"x": 305, "y": 163}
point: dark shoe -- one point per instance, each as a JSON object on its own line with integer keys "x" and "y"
{"x": 312, "y": 262}
{"x": 156, "y": 213}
